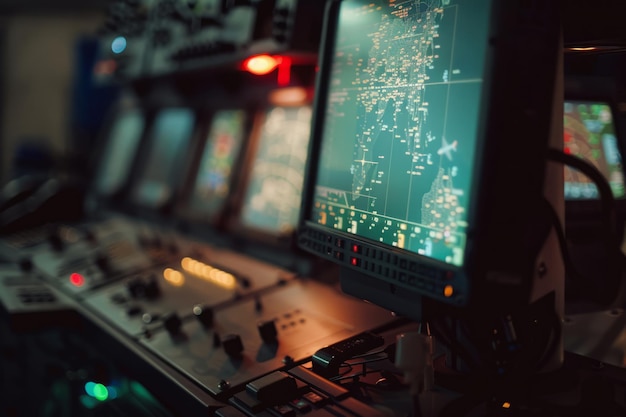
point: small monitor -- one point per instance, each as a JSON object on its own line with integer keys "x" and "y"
{"x": 589, "y": 133}
{"x": 122, "y": 142}
{"x": 428, "y": 165}
{"x": 273, "y": 192}
{"x": 217, "y": 166}
{"x": 167, "y": 146}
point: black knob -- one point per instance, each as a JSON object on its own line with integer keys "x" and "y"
{"x": 134, "y": 310}
{"x": 56, "y": 242}
{"x": 172, "y": 324}
{"x": 135, "y": 287}
{"x": 258, "y": 305}
{"x": 204, "y": 314}
{"x": 152, "y": 289}
{"x": 233, "y": 346}
{"x": 268, "y": 332}
{"x": 102, "y": 262}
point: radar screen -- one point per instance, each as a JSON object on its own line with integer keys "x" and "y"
{"x": 274, "y": 191}
{"x": 589, "y": 133}
{"x": 121, "y": 148}
{"x": 401, "y": 123}
{"x": 168, "y": 145}
{"x": 222, "y": 147}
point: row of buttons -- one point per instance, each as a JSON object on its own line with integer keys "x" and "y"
{"x": 381, "y": 263}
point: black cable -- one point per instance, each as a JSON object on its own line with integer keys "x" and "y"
{"x": 611, "y": 233}
{"x": 604, "y": 189}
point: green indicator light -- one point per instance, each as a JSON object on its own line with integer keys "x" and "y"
{"x": 100, "y": 392}
{"x": 89, "y": 388}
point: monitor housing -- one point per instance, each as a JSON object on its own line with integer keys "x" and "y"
{"x": 440, "y": 114}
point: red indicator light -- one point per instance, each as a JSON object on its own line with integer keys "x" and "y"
{"x": 354, "y": 261}
{"x": 77, "y": 279}
{"x": 567, "y": 150}
{"x": 261, "y": 64}
{"x": 355, "y": 248}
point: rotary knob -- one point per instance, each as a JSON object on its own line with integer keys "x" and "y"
{"x": 268, "y": 332}
{"x": 233, "y": 346}
{"x": 172, "y": 324}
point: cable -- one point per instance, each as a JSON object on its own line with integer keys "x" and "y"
{"x": 612, "y": 235}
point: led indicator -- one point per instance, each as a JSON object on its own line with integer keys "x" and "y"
{"x": 118, "y": 45}
{"x": 506, "y": 404}
{"x": 174, "y": 277}
{"x": 89, "y": 388}
{"x": 97, "y": 391}
{"x": 77, "y": 279}
{"x": 448, "y": 291}
{"x": 260, "y": 64}
{"x": 100, "y": 392}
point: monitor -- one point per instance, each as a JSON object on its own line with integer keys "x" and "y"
{"x": 589, "y": 132}
{"x": 214, "y": 178}
{"x": 166, "y": 149}
{"x": 119, "y": 152}
{"x": 272, "y": 196}
{"x": 427, "y": 166}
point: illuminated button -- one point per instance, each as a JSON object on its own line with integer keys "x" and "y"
{"x": 448, "y": 291}
{"x": 355, "y": 261}
{"x": 77, "y": 279}
{"x": 356, "y": 248}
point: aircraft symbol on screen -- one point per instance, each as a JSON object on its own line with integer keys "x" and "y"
{"x": 446, "y": 148}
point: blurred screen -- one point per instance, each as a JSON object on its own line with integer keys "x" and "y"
{"x": 223, "y": 144}
{"x": 119, "y": 153}
{"x": 589, "y": 133}
{"x": 274, "y": 190}
{"x": 167, "y": 146}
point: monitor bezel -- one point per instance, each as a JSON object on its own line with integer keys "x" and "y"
{"x": 507, "y": 273}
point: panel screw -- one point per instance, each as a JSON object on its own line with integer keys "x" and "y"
{"x": 223, "y": 385}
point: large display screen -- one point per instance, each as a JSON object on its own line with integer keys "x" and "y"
{"x": 589, "y": 133}
{"x": 167, "y": 146}
{"x": 222, "y": 148}
{"x": 401, "y": 124}
{"x": 274, "y": 191}
{"x": 119, "y": 152}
